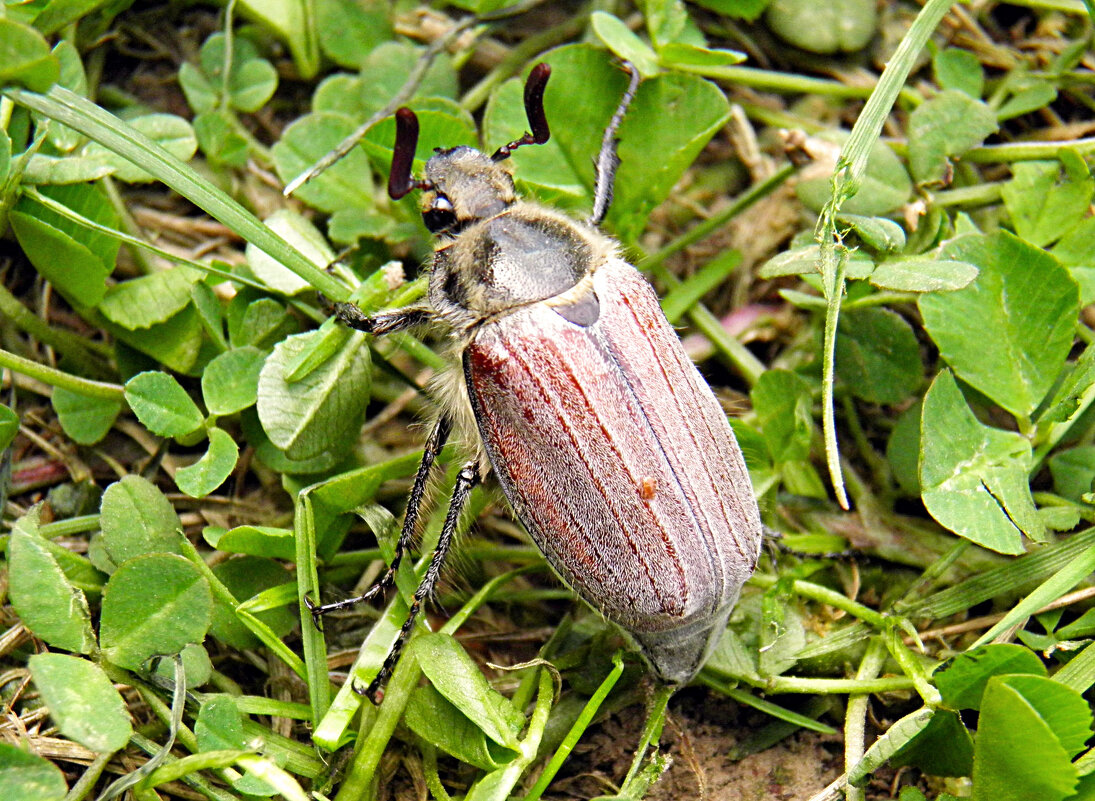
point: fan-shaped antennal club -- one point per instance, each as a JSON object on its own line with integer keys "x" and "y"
{"x": 400, "y": 181}
{"x": 534, "y": 110}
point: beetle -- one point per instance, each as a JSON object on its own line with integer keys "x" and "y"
{"x": 608, "y": 444}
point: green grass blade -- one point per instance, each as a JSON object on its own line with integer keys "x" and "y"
{"x": 94, "y": 122}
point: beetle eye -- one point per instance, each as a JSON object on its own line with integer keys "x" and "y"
{"x": 439, "y": 216}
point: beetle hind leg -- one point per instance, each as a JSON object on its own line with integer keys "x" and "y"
{"x": 466, "y": 480}
{"x": 434, "y": 444}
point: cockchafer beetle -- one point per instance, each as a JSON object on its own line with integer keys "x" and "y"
{"x": 607, "y": 442}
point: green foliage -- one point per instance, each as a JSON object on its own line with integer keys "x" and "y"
{"x": 939, "y": 303}
{"x": 946, "y": 126}
{"x": 153, "y": 605}
{"x": 82, "y": 700}
{"x": 841, "y": 26}
{"x": 42, "y": 594}
{"x": 9, "y": 426}
{"x": 974, "y": 479}
{"x": 137, "y": 519}
{"x": 1030, "y": 303}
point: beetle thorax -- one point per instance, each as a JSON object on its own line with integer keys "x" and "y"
{"x": 526, "y": 254}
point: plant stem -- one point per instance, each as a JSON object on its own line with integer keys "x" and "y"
{"x": 57, "y": 378}
{"x": 1026, "y": 151}
{"x": 794, "y": 684}
{"x": 788, "y": 83}
{"x": 520, "y": 55}
{"x": 826, "y": 596}
{"x": 978, "y": 195}
{"x": 89, "y": 777}
{"x": 704, "y": 229}
{"x": 85, "y": 353}
{"x": 655, "y": 719}
{"x": 855, "y": 719}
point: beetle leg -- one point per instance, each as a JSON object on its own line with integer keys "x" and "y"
{"x": 433, "y": 447}
{"x": 384, "y": 322}
{"x": 465, "y": 481}
{"x": 607, "y": 160}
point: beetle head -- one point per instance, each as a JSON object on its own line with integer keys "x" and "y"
{"x": 462, "y": 184}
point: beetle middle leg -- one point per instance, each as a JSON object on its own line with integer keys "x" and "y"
{"x": 434, "y": 444}
{"x": 607, "y": 160}
{"x": 466, "y": 480}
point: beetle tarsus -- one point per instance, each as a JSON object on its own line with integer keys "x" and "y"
{"x": 316, "y": 611}
{"x": 607, "y": 160}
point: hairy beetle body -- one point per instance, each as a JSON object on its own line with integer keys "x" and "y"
{"x": 608, "y": 444}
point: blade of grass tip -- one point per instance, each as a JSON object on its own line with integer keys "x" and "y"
{"x": 578, "y": 729}
{"x": 847, "y": 176}
{"x": 96, "y": 123}
{"x": 1048, "y": 591}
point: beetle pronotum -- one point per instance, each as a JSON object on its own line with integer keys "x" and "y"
{"x": 608, "y": 444}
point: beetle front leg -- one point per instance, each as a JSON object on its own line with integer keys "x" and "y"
{"x": 466, "y": 480}
{"x": 434, "y": 444}
{"x": 384, "y": 322}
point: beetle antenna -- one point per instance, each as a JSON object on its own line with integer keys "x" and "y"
{"x": 534, "y": 110}
{"x": 607, "y": 160}
{"x": 400, "y": 181}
